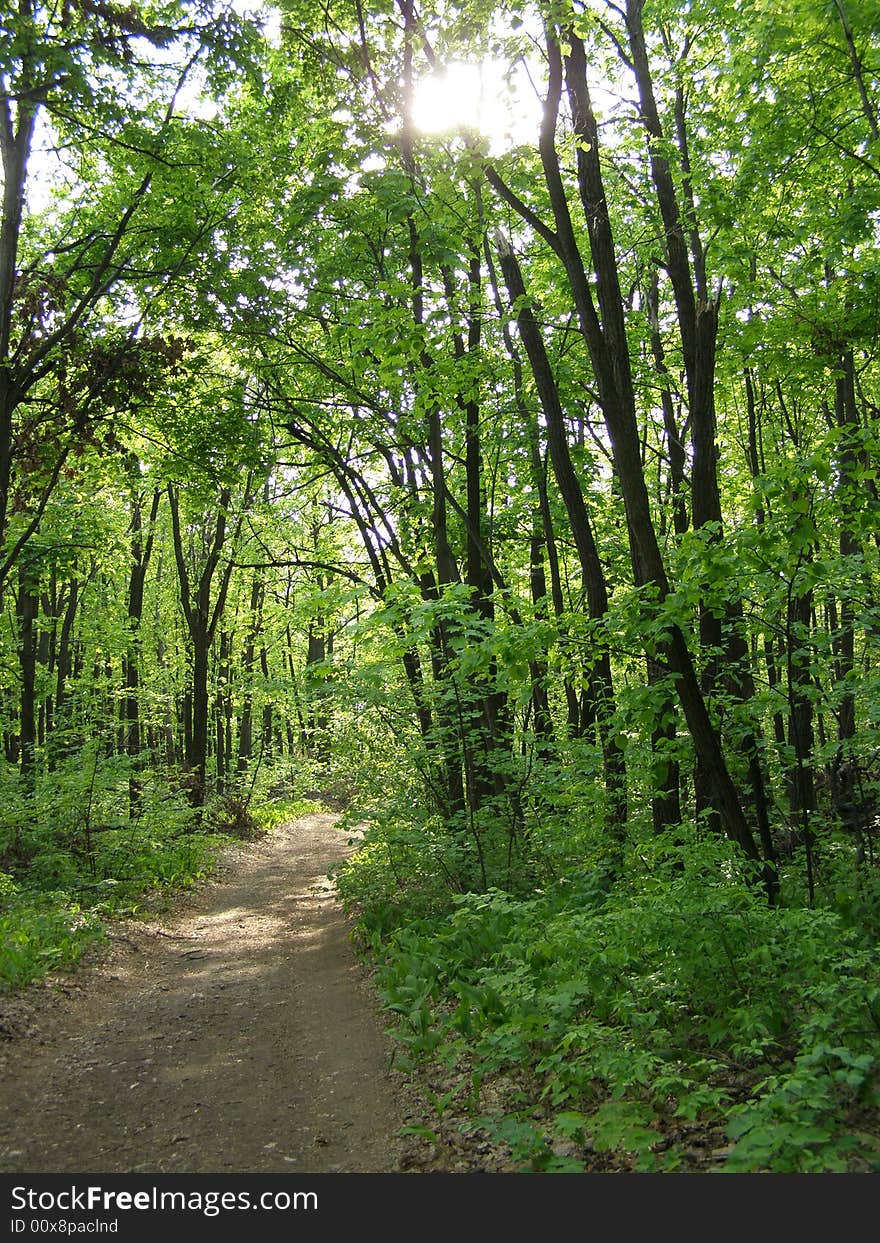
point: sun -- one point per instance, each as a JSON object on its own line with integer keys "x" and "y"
{"x": 481, "y": 97}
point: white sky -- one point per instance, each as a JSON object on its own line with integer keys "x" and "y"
{"x": 477, "y": 96}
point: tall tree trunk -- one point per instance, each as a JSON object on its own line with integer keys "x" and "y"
{"x": 543, "y": 721}
{"x": 27, "y": 611}
{"x": 245, "y": 719}
{"x": 46, "y": 657}
{"x": 63, "y": 662}
{"x": 722, "y": 647}
{"x": 543, "y": 540}
{"x": 16, "y": 136}
{"x": 849, "y": 425}
{"x": 267, "y": 748}
{"x": 197, "y": 755}
{"x": 609, "y": 353}
{"x": 141, "y": 550}
{"x": 601, "y": 687}
{"x": 800, "y": 737}
{"x": 223, "y": 711}
{"x": 202, "y": 609}
{"x": 316, "y": 655}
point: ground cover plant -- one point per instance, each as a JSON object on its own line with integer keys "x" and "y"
{"x": 672, "y": 1021}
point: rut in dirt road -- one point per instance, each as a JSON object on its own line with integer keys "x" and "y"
{"x": 237, "y": 1036}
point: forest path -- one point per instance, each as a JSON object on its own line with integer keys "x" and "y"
{"x": 239, "y": 1034}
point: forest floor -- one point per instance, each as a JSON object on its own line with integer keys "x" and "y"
{"x": 235, "y": 1032}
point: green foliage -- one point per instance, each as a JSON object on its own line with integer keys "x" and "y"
{"x": 40, "y": 934}
{"x": 271, "y": 815}
{"x": 80, "y": 861}
{"x": 278, "y": 468}
{"x": 399, "y": 873}
{"x": 675, "y": 1001}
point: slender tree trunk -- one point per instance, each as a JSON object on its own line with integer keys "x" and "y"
{"x": 63, "y": 666}
{"x": 202, "y": 616}
{"x": 601, "y": 685}
{"x": 245, "y": 719}
{"x": 197, "y": 755}
{"x": 267, "y": 749}
{"x": 849, "y": 425}
{"x": 27, "y": 610}
{"x": 16, "y": 135}
{"x": 141, "y": 549}
{"x": 46, "y": 658}
{"x": 608, "y": 347}
{"x": 543, "y": 721}
{"x": 675, "y": 447}
{"x": 723, "y": 646}
{"x": 316, "y": 655}
{"x": 222, "y": 712}
{"x": 800, "y": 725}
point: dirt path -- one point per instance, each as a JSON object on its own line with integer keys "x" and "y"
{"x": 238, "y": 1035}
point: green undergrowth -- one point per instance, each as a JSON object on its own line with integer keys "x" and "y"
{"x": 82, "y": 859}
{"x": 273, "y": 814}
{"x": 594, "y": 1025}
{"x": 40, "y": 933}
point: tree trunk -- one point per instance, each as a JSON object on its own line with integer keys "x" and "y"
{"x": 245, "y": 719}
{"x": 608, "y": 347}
{"x": 202, "y": 618}
{"x": 141, "y": 549}
{"x": 27, "y": 611}
{"x": 601, "y": 687}
{"x": 849, "y": 425}
{"x": 800, "y": 724}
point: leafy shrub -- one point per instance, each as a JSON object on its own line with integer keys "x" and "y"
{"x": 402, "y": 872}
{"x": 277, "y": 811}
{"x": 231, "y": 814}
{"x": 81, "y": 859}
{"x": 611, "y": 1018}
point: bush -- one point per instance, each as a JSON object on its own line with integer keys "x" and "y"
{"x": 81, "y": 860}
{"x": 623, "y": 1019}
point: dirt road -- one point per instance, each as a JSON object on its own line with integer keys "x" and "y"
{"x": 236, "y": 1035}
